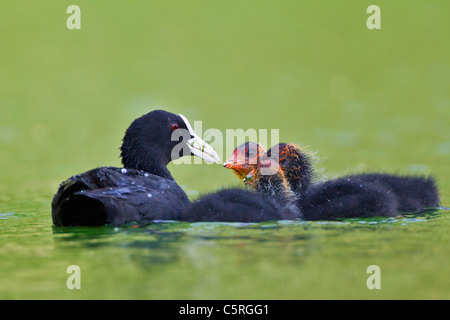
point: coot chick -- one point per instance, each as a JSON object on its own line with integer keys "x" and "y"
{"x": 330, "y": 200}
{"x": 269, "y": 199}
{"x": 411, "y": 193}
{"x": 141, "y": 191}
{"x": 363, "y": 195}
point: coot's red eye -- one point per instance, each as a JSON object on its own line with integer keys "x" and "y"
{"x": 175, "y": 126}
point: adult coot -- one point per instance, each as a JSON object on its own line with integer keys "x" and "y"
{"x": 141, "y": 191}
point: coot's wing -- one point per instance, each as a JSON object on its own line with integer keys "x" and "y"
{"x": 116, "y": 196}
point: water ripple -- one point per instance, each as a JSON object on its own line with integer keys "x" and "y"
{"x": 10, "y": 215}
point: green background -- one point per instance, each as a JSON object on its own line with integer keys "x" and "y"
{"x": 366, "y": 100}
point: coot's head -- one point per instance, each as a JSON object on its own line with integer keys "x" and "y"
{"x": 244, "y": 159}
{"x": 157, "y": 138}
{"x": 296, "y": 163}
{"x": 278, "y": 151}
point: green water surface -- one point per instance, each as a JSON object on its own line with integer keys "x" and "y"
{"x": 366, "y": 100}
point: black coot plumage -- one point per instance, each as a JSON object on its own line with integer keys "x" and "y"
{"x": 239, "y": 205}
{"x": 362, "y": 195}
{"x": 369, "y": 195}
{"x": 141, "y": 191}
{"x": 357, "y": 195}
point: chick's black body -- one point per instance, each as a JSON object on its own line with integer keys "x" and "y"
{"x": 343, "y": 198}
{"x": 412, "y": 193}
{"x": 238, "y": 205}
{"x": 368, "y": 195}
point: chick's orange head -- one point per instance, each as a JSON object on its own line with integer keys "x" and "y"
{"x": 244, "y": 158}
